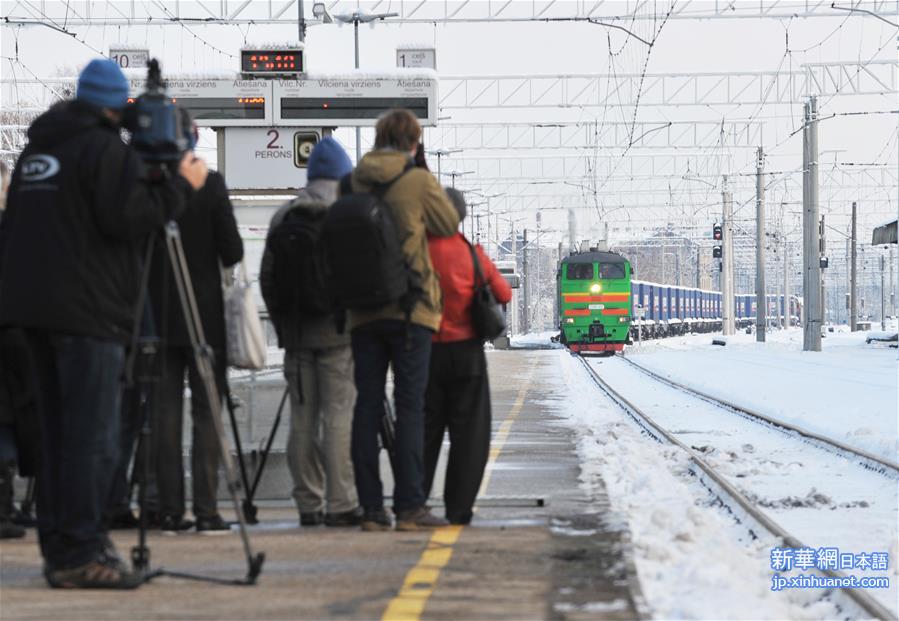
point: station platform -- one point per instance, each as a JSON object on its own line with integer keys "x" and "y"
{"x": 566, "y": 557}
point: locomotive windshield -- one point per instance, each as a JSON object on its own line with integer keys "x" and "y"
{"x": 611, "y": 270}
{"x": 580, "y": 271}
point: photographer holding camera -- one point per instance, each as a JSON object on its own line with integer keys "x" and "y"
{"x": 80, "y": 205}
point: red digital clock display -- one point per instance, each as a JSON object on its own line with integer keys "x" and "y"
{"x": 271, "y": 61}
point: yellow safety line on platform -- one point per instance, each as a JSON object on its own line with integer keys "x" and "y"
{"x": 419, "y": 584}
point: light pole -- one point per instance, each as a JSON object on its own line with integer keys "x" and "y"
{"x": 357, "y": 17}
{"x": 441, "y": 153}
{"x": 456, "y": 173}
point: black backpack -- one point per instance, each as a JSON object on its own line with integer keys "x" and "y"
{"x": 300, "y": 264}
{"x": 368, "y": 269}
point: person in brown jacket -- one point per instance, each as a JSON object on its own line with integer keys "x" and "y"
{"x": 384, "y": 336}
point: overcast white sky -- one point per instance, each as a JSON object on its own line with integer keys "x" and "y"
{"x": 541, "y": 48}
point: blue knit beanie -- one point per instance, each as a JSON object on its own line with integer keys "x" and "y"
{"x": 103, "y": 84}
{"x": 328, "y": 160}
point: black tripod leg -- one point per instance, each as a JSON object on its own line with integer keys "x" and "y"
{"x": 257, "y": 476}
{"x": 204, "y": 361}
{"x": 27, "y": 505}
{"x": 387, "y": 431}
{"x": 249, "y": 509}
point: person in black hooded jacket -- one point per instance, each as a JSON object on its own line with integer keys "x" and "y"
{"x": 80, "y": 204}
{"x": 211, "y": 241}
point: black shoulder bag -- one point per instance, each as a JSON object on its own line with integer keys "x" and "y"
{"x": 486, "y": 315}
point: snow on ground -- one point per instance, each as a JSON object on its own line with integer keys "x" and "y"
{"x": 693, "y": 561}
{"x": 535, "y": 339}
{"x": 825, "y": 500}
{"x": 847, "y": 392}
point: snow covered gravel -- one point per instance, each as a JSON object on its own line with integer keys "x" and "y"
{"x": 824, "y": 499}
{"x": 693, "y": 561}
{"x": 847, "y": 392}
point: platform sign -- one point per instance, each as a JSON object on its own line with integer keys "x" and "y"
{"x": 354, "y": 100}
{"x": 267, "y": 158}
{"x": 127, "y": 58}
{"x": 417, "y": 58}
{"x": 219, "y": 102}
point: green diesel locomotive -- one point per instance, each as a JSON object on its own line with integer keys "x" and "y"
{"x": 594, "y": 301}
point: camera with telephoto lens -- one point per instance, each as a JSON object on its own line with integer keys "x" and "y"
{"x": 159, "y": 128}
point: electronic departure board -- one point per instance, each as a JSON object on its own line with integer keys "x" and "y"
{"x": 354, "y": 99}
{"x": 272, "y": 62}
{"x": 222, "y": 108}
{"x": 331, "y": 108}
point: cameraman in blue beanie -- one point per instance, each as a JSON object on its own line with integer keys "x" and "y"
{"x": 318, "y": 362}
{"x": 80, "y": 205}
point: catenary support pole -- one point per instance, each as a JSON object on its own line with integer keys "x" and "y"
{"x": 788, "y": 319}
{"x": 853, "y": 273}
{"x": 761, "y": 298}
{"x": 526, "y": 284}
{"x": 811, "y": 267}
{"x": 883, "y": 297}
{"x": 727, "y": 260}
{"x": 892, "y": 286}
{"x": 301, "y": 22}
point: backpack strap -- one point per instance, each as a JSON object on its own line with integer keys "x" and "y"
{"x": 380, "y": 189}
{"x": 346, "y": 185}
{"x": 478, "y": 274}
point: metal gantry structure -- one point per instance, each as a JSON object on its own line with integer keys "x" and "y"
{"x": 588, "y": 154}
{"x": 172, "y": 12}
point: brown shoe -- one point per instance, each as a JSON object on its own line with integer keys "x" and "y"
{"x": 104, "y": 573}
{"x": 374, "y": 520}
{"x": 418, "y": 519}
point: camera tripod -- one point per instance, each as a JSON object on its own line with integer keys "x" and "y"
{"x": 146, "y": 348}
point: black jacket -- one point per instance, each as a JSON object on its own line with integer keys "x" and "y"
{"x": 79, "y": 205}
{"x": 210, "y": 237}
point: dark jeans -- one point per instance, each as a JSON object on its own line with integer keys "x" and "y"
{"x": 458, "y": 400}
{"x": 9, "y": 452}
{"x": 78, "y": 396}
{"x": 376, "y": 345}
{"x": 167, "y": 436}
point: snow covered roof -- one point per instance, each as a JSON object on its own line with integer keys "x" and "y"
{"x": 594, "y": 257}
{"x": 129, "y": 46}
{"x": 416, "y": 46}
{"x": 274, "y": 45}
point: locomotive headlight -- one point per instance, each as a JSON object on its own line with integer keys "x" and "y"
{"x": 569, "y": 320}
{"x": 595, "y": 288}
{"x": 623, "y": 319}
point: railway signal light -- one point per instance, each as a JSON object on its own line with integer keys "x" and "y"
{"x": 717, "y": 232}
{"x": 716, "y": 252}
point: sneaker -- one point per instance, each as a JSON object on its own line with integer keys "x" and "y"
{"x": 375, "y": 520}
{"x": 214, "y": 525}
{"x": 353, "y": 517}
{"x": 316, "y": 518}
{"x": 173, "y": 524}
{"x": 418, "y": 519}
{"x": 100, "y": 573}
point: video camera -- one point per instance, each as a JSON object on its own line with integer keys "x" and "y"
{"x": 159, "y": 129}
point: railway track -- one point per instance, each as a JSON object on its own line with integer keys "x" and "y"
{"x": 858, "y": 604}
{"x": 866, "y": 459}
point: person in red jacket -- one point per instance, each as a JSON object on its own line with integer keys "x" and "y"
{"x": 458, "y": 393}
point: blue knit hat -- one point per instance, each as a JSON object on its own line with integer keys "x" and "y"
{"x": 328, "y": 160}
{"x": 103, "y": 84}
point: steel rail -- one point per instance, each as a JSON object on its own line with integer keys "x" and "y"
{"x": 870, "y": 607}
{"x": 869, "y": 460}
